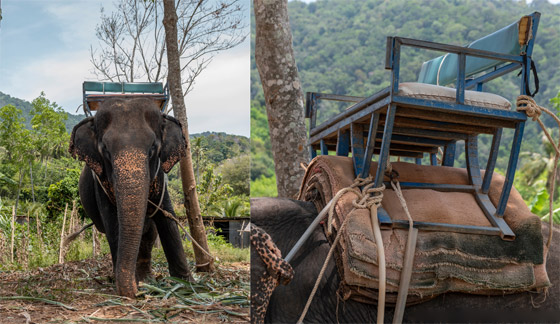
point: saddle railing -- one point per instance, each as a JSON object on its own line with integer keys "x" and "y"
{"x": 410, "y": 119}
{"x": 96, "y": 92}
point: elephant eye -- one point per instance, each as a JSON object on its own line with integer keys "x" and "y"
{"x": 153, "y": 150}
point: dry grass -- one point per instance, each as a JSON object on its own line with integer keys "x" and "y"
{"x": 83, "y": 292}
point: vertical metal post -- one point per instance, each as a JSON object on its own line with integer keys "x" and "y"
{"x": 510, "y": 172}
{"x": 357, "y": 140}
{"x": 372, "y": 134}
{"x": 491, "y": 160}
{"x": 343, "y": 142}
{"x": 385, "y": 144}
{"x": 449, "y": 154}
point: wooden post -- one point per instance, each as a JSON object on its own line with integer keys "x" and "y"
{"x": 13, "y": 232}
{"x": 93, "y": 245}
{"x": 39, "y": 234}
{"x": 61, "y": 252}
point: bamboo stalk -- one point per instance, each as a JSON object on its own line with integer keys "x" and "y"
{"x": 61, "y": 248}
{"x": 13, "y": 232}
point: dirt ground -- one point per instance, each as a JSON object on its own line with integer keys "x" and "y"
{"x": 83, "y": 292}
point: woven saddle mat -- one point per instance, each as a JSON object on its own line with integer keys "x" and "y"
{"x": 443, "y": 261}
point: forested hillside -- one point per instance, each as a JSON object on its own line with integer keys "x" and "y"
{"x": 39, "y": 178}
{"x": 340, "y": 48}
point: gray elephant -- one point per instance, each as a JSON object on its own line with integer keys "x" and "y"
{"x": 127, "y": 147}
{"x": 285, "y": 220}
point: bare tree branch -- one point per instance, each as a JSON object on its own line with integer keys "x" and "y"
{"x": 132, "y": 46}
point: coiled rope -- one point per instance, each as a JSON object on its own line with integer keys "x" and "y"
{"x": 368, "y": 198}
{"x": 529, "y": 106}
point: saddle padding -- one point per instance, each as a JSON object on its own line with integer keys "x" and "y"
{"x": 443, "y": 261}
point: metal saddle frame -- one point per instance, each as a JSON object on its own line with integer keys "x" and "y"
{"x": 96, "y": 92}
{"x": 405, "y": 126}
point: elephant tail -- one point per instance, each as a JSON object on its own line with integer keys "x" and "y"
{"x": 74, "y": 235}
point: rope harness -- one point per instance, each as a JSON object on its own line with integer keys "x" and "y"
{"x": 163, "y": 211}
{"x": 530, "y": 107}
{"x": 369, "y": 198}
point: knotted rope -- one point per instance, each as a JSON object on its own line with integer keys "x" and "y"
{"x": 368, "y": 198}
{"x": 530, "y": 107}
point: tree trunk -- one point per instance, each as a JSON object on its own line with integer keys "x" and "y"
{"x": 283, "y": 94}
{"x": 203, "y": 261}
{"x": 19, "y": 188}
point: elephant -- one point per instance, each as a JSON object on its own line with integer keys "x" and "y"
{"x": 285, "y": 220}
{"x": 128, "y": 147}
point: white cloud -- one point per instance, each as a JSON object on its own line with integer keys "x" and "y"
{"x": 220, "y": 99}
{"x": 60, "y": 77}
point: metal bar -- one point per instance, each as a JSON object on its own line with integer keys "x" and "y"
{"x": 325, "y": 131}
{"x": 418, "y": 161}
{"x": 460, "y": 92}
{"x": 384, "y": 154}
{"x": 312, "y": 152}
{"x": 428, "y": 133}
{"x": 471, "y": 154}
{"x": 498, "y": 222}
{"x": 491, "y": 76}
{"x": 449, "y": 154}
{"x": 457, "y": 49}
{"x": 385, "y": 221}
{"x": 324, "y": 212}
{"x": 389, "y": 53}
{"x": 510, "y": 172}
{"x": 435, "y": 186}
{"x": 343, "y": 142}
{"x": 433, "y": 159}
{"x": 352, "y": 110}
{"x": 443, "y": 227}
{"x": 441, "y": 125}
{"x": 372, "y": 132}
{"x": 491, "y": 161}
{"x": 324, "y": 148}
{"x": 357, "y": 142}
{"x": 418, "y": 140}
{"x": 454, "y": 108}
{"x": 335, "y": 97}
{"x": 396, "y": 62}
{"x": 395, "y": 150}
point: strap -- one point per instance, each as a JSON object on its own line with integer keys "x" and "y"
{"x": 535, "y": 77}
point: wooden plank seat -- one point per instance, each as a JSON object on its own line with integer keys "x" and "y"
{"x": 96, "y": 92}
{"x": 411, "y": 119}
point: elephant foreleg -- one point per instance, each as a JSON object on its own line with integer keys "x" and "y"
{"x": 171, "y": 242}
{"x": 144, "y": 261}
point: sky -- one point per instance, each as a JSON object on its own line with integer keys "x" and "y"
{"x": 44, "y": 46}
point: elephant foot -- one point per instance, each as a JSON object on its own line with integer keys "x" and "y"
{"x": 143, "y": 269}
{"x": 182, "y": 274}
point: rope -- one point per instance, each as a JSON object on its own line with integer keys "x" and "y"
{"x": 530, "y": 107}
{"x": 369, "y": 198}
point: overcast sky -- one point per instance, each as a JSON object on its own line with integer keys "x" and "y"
{"x": 44, "y": 46}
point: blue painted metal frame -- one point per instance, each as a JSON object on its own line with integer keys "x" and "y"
{"x": 386, "y": 107}
{"x": 102, "y": 90}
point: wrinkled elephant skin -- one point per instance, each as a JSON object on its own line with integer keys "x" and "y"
{"x": 285, "y": 221}
{"x": 128, "y": 146}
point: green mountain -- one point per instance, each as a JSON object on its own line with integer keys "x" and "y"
{"x": 26, "y": 107}
{"x": 340, "y": 45}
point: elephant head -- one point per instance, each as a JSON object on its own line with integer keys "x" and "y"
{"x": 128, "y": 143}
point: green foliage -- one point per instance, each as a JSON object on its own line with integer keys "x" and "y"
{"x": 264, "y": 187}
{"x": 340, "y": 45}
{"x": 63, "y": 192}
{"x": 235, "y": 172}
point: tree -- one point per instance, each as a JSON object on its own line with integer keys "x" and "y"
{"x": 283, "y": 94}
{"x": 133, "y": 46}
{"x": 170, "y": 20}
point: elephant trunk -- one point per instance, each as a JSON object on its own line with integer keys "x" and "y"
{"x": 132, "y": 188}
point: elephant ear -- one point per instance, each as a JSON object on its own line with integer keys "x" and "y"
{"x": 173, "y": 144}
{"x": 83, "y": 145}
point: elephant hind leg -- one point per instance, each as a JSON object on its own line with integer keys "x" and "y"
{"x": 144, "y": 261}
